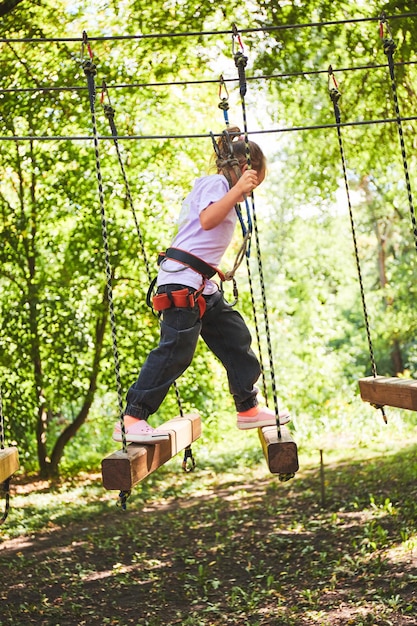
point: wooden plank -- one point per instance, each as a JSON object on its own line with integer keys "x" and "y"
{"x": 395, "y": 392}
{"x": 281, "y": 455}
{"x": 9, "y": 463}
{"x": 123, "y": 471}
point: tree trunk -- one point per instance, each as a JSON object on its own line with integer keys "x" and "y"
{"x": 382, "y": 240}
{"x": 397, "y": 358}
{"x": 51, "y": 469}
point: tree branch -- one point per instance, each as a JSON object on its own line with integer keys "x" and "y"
{"x": 7, "y": 6}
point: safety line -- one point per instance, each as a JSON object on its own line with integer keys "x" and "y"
{"x": 90, "y": 72}
{"x": 5, "y": 486}
{"x": 241, "y": 62}
{"x": 264, "y": 29}
{"x": 202, "y": 135}
{"x": 205, "y": 81}
{"x": 389, "y": 49}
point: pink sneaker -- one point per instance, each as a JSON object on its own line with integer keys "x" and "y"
{"x": 140, "y": 432}
{"x": 265, "y": 417}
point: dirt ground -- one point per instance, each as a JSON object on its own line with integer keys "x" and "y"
{"x": 253, "y": 551}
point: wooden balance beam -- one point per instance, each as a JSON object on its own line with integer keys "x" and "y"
{"x": 281, "y": 455}
{"x": 123, "y": 471}
{"x": 9, "y": 463}
{"x": 395, "y": 392}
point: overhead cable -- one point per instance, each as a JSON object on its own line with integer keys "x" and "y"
{"x": 206, "y": 81}
{"x": 202, "y": 135}
{"x": 264, "y": 29}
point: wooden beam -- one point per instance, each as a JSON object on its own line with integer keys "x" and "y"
{"x": 123, "y": 471}
{"x": 281, "y": 455}
{"x": 9, "y": 463}
{"x": 396, "y": 392}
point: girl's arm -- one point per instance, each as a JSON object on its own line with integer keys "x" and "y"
{"x": 215, "y": 213}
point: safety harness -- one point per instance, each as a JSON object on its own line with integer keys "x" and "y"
{"x": 182, "y": 298}
{"x": 193, "y": 262}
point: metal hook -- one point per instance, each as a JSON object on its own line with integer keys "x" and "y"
{"x": 188, "y": 463}
{"x": 222, "y": 85}
{"x": 123, "y": 496}
{"x": 86, "y": 44}
{"x": 236, "y": 35}
{"x": 5, "y": 487}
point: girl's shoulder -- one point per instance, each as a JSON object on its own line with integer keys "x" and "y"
{"x": 211, "y": 180}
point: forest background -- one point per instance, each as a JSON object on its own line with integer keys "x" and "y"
{"x": 166, "y": 67}
{"x": 228, "y": 544}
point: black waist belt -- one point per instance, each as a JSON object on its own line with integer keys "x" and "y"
{"x": 194, "y": 262}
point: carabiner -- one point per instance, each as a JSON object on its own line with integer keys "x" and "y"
{"x": 188, "y": 463}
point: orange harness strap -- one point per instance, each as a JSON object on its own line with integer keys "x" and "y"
{"x": 180, "y": 298}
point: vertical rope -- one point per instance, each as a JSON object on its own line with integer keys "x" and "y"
{"x": 241, "y": 62}
{"x": 389, "y": 48}
{"x": 6, "y": 490}
{"x": 335, "y": 94}
{"x": 90, "y": 72}
{"x": 109, "y": 112}
{"x": 1, "y": 422}
{"x": 247, "y": 234}
{"x": 257, "y": 332}
{"x": 6, "y": 484}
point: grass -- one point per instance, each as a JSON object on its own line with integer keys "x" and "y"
{"x": 227, "y": 544}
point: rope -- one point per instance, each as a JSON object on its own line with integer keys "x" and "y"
{"x": 389, "y": 49}
{"x": 5, "y": 487}
{"x": 224, "y": 161}
{"x": 257, "y": 331}
{"x": 204, "y": 135}
{"x": 1, "y": 422}
{"x": 262, "y": 29}
{"x": 90, "y": 72}
{"x": 335, "y": 94}
{"x": 240, "y": 62}
{"x": 207, "y": 81}
{"x": 244, "y": 250}
{"x": 109, "y": 112}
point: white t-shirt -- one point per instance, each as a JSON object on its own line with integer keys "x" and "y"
{"x": 209, "y": 245}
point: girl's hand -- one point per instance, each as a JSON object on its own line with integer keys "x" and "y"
{"x": 247, "y": 182}
{"x": 215, "y": 213}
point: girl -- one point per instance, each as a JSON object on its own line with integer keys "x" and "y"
{"x": 191, "y": 304}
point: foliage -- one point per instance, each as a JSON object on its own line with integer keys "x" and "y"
{"x": 53, "y": 261}
{"x": 56, "y": 359}
{"x": 209, "y": 548}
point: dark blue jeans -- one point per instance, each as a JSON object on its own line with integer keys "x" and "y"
{"x": 226, "y": 334}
